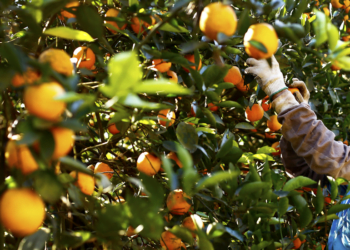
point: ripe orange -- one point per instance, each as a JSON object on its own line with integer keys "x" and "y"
{"x": 113, "y": 129}
{"x": 64, "y": 140}
{"x": 297, "y": 243}
{"x": 273, "y": 123}
{"x": 166, "y": 117}
{"x": 346, "y": 18}
{"x": 138, "y": 25}
{"x": 212, "y": 107}
{"x": 84, "y": 182}
{"x": 91, "y": 167}
{"x": 336, "y": 4}
{"x": 113, "y": 13}
{"x": 173, "y": 156}
{"x": 176, "y": 202}
{"x": 28, "y": 77}
{"x": 85, "y": 57}
{"x": 161, "y": 65}
{"x": 218, "y": 17}
{"x": 130, "y": 231}
{"x": 335, "y": 67}
{"x": 169, "y": 241}
{"x": 254, "y": 114}
{"x": 241, "y": 87}
{"x": 265, "y": 104}
{"x": 20, "y": 157}
{"x": 22, "y": 211}
{"x": 103, "y": 167}
{"x": 191, "y": 59}
{"x": 67, "y": 14}
{"x": 39, "y": 100}
{"x": 293, "y": 90}
{"x": 266, "y": 35}
{"x": 326, "y": 11}
{"x": 270, "y": 136}
{"x": 276, "y": 146}
{"x": 59, "y": 61}
{"x": 193, "y": 223}
{"x": 345, "y": 38}
{"x": 172, "y": 76}
{"x": 233, "y": 75}
{"x": 148, "y": 164}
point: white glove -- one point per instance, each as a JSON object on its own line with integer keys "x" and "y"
{"x": 303, "y": 95}
{"x": 269, "y": 78}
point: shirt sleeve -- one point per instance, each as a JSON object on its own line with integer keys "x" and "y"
{"x": 313, "y": 141}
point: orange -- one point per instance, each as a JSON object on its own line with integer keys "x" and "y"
{"x": 265, "y": 104}
{"x": 336, "y": 4}
{"x": 191, "y": 59}
{"x": 254, "y": 114}
{"x": 273, "y": 123}
{"x": 59, "y": 61}
{"x": 172, "y": 76}
{"x": 345, "y": 38}
{"x": 233, "y": 75}
{"x": 276, "y": 146}
{"x": 242, "y": 87}
{"x": 130, "y": 231}
{"x": 212, "y": 107}
{"x": 168, "y": 217}
{"x": 138, "y": 25}
{"x": 113, "y": 129}
{"x": 64, "y": 140}
{"x": 19, "y": 156}
{"x": 22, "y": 211}
{"x": 326, "y": 11}
{"x": 176, "y": 202}
{"x": 85, "y": 57}
{"x": 193, "y": 223}
{"x": 103, "y": 167}
{"x": 169, "y": 241}
{"x": 113, "y": 13}
{"x": 218, "y": 17}
{"x": 173, "y": 156}
{"x": 166, "y": 117}
{"x": 84, "y": 182}
{"x": 148, "y": 164}
{"x": 293, "y": 90}
{"x": 28, "y": 77}
{"x": 39, "y": 100}
{"x": 266, "y": 35}
{"x": 161, "y": 65}
{"x": 335, "y": 67}
{"x": 67, "y": 14}
{"x": 346, "y": 18}
{"x": 270, "y": 136}
{"x": 91, "y": 167}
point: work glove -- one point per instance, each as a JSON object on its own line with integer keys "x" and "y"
{"x": 303, "y": 95}
{"x": 271, "y": 81}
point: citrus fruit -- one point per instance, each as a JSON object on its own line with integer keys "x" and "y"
{"x": 242, "y": 87}
{"x": 67, "y": 14}
{"x": 270, "y": 136}
{"x": 166, "y": 117}
{"x": 59, "y": 61}
{"x": 218, "y": 17}
{"x": 293, "y": 90}
{"x": 297, "y": 243}
{"x": 84, "y": 182}
{"x": 266, "y": 35}
{"x": 326, "y": 11}
{"x": 113, "y": 129}
{"x": 91, "y": 167}
{"x": 255, "y": 113}
{"x": 336, "y": 4}
{"x": 130, "y": 231}
{"x": 20, "y": 157}
{"x": 176, "y": 202}
{"x": 191, "y": 59}
{"x": 113, "y": 13}
{"x": 233, "y": 75}
{"x": 172, "y": 76}
{"x": 273, "y": 123}
{"x": 169, "y": 241}
{"x": 193, "y": 223}
{"x": 85, "y": 57}
{"x": 138, "y": 25}
{"x": 22, "y": 211}
{"x": 39, "y": 100}
{"x": 212, "y": 107}
{"x": 28, "y": 77}
{"x": 161, "y": 65}
{"x": 64, "y": 140}
{"x": 103, "y": 167}
{"x": 276, "y": 146}
{"x": 265, "y": 104}
{"x": 173, "y": 156}
{"x": 335, "y": 67}
{"x": 148, "y": 164}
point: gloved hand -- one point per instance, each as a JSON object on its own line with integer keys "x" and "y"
{"x": 269, "y": 78}
{"x": 303, "y": 95}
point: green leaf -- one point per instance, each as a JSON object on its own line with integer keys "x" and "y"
{"x": 182, "y": 233}
{"x": 298, "y": 182}
{"x": 244, "y": 125}
{"x": 171, "y": 28}
{"x": 334, "y": 188}
{"x": 233, "y": 155}
{"x": 333, "y": 36}
{"x": 213, "y": 96}
{"x": 225, "y": 148}
{"x": 187, "y": 136}
{"x": 90, "y": 20}
{"x": 36, "y": 240}
{"x": 214, "y": 74}
{"x": 73, "y": 164}
{"x": 325, "y": 218}
{"x": 305, "y": 217}
{"x": 172, "y": 178}
{"x": 69, "y": 33}
{"x": 319, "y": 200}
{"x": 320, "y": 27}
{"x": 135, "y": 101}
{"x": 48, "y": 186}
{"x": 209, "y": 114}
{"x": 235, "y": 233}
{"x": 133, "y": 2}
{"x": 161, "y": 87}
{"x": 253, "y": 190}
{"x": 229, "y": 104}
{"x": 337, "y": 208}
{"x": 265, "y": 150}
{"x": 283, "y": 205}
{"x": 258, "y": 45}
{"x": 216, "y": 178}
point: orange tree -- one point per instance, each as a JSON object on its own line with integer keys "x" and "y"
{"x": 149, "y": 127}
